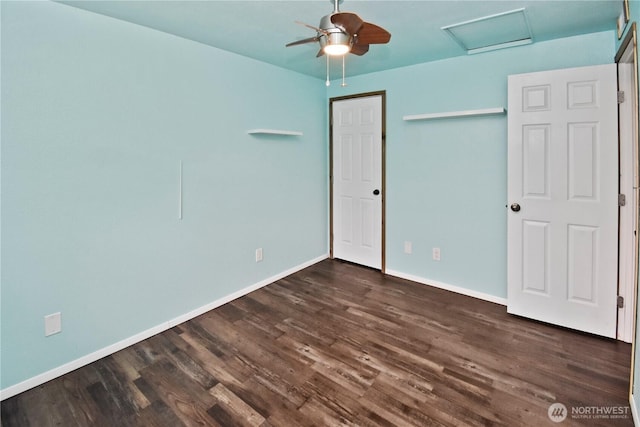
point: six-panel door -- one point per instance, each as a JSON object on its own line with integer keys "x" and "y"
{"x": 563, "y": 174}
{"x": 357, "y": 180}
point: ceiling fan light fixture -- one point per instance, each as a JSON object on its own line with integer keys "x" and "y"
{"x": 336, "y": 49}
{"x": 337, "y": 44}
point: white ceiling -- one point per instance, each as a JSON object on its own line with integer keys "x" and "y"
{"x": 260, "y": 29}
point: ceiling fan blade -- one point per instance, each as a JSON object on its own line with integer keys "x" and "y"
{"x": 349, "y": 22}
{"x": 303, "y": 41}
{"x": 359, "y": 49}
{"x": 319, "y": 30}
{"x": 372, "y": 34}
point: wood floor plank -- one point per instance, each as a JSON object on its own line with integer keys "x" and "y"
{"x": 186, "y": 364}
{"x": 241, "y": 412}
{"x": 158, "y": 413}
{"x": 210, "y": 362}
{"x": 280, "y": 405}
{"x": 341, "y": 345}
{"x": 186, "y": 398}
{"x": 260, "y": 352}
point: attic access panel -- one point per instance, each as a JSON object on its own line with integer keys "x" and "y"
{"x": 492, "y": 32}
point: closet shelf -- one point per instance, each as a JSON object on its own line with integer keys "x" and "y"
{"x": 274, "y": 132}
{"x": 464, "y": 113}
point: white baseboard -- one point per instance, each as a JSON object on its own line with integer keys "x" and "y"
{"x": 447, "y": 287}
{"x": 110, "y": 349}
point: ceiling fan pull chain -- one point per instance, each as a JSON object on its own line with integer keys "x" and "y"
{"x": 344, "y": 83}
{"x": 328, "y": 82}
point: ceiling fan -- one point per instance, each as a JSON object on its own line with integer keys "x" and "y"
{"x": 340, "y": 33}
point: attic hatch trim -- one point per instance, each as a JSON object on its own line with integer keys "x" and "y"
{"x": 520, "y": 36}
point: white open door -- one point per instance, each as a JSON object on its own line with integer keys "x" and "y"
{"x": 357, "y": 180}
{"x": 628, "y": 215}
{"x": 563, "y": 197}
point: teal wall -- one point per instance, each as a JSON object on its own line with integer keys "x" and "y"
{"x": 96, "y": 115}
{"x": 447, "y": 179}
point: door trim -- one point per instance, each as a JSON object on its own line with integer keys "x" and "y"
{"x": 630, "y": 41}
{"x": 628, "y": 123}
{"x": 383, "y": 95}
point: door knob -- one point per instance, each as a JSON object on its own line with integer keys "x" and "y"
{"x": 515, "y": 207}
{"x": 376, "y": 192}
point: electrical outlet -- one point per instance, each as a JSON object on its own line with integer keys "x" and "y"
{"x": 436, "y": 254}
{"x": 408, "y": 247}
{"x": 52, "y": 324}
{"x": 259, "y": 255}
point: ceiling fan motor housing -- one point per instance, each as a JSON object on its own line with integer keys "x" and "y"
{"x": 333, "y": 34}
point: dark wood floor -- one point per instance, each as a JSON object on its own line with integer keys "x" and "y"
{"x": 337, "y": 344}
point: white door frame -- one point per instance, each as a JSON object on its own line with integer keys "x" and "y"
{"x": 381, "y": 94}
{"x": 628, "y": 236}
{"x": 628, "y": 267}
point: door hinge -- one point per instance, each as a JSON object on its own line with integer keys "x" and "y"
{"x": 622, "y": 200}
{"x": 620, "y": 301}
{"x": 620, "y": 97}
